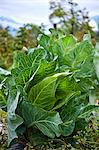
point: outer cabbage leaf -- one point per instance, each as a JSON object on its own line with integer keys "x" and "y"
{"x": 44, "y": 41}
{"x": 66, "y": 43}
{"x": 25, "y": 66}
{"x": 60, "y": 48}
{"x": 72, "y": 109}
{"x": 67, "y": 128}
{"x": 80, "y": 60}
{"x": 87, "y": 110}
{"x": 45, "y": 69}
{"x": 76, "y": 109}
{"x": 13, "y": 119}
{"x": 46, "y": 121}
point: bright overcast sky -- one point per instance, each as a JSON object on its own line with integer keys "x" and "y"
{"x": 37, "y": 11}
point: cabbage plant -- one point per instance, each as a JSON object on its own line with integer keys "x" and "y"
{"x": 48, "y": 88}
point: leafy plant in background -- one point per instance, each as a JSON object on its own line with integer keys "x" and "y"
{"x": 66, "y": 15}
{"x": 26, "y": 36}
{"x": 6, "y": 46}
{"x": 47, "y": 92}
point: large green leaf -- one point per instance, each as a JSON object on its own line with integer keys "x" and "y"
{"x": 67, "y": 89}
{"x": 77, "y": 55}
{"x": 86, "y": 110}
{"x": 66, "y": 86}
{"x": 86, "y": 84}
{"x": 26, "y": 65}
{"x": 45, "y": 69}
{"x": 57, "y": 46}
{"x": 74, "y": 107}
{"x": 63, "y": 45}
{"x": 66, "y": 43}
{"x": 74, "y": 110}
{"x": 13, "y": 120}
{"x": 46, "y": 121}
{"x": 71, "y": 110}
{"x": 67, "y": 128}
{"x": 61, "y": 102}
{"x": 80, "y": 59}
{"x": 43, "y": 93}
{"x": 44, "y": 41}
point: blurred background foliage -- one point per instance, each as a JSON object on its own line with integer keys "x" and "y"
{"x": 6, "y": 46}
{"x": 67, "y": 16}
{"x": 26, "y": 36}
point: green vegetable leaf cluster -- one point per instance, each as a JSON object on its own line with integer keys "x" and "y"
{"x": 49, "y": 88}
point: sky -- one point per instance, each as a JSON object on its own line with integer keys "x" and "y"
{"x": 37, "y": 11}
